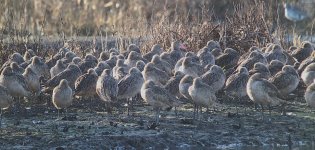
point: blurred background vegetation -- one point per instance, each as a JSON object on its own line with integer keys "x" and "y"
{"x": 235, "y": 23}
{"x": 85, "y": 17}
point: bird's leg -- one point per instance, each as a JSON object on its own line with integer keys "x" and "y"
{"x": 195, "y": 108}
{"x": 245, "y": 108}
{"x": 66, "y": 114}
{"x": 17, "y": 105}
{"x": 108, "y": 108}
{"x": 236, "y": 107}
{"x": 1, "y": 117}
{"x": 128, "y": 106}
{"x": 283, "y": 110}
{"x": 90, "y": 105}
{"x": 262, "y": 112}
{"x": 47, "y": 103}
{"x": 58, "y": 112}
{"x": 201, "y": 115}
{"x": 132, "y": 99}
{"x": 176, "y": 114}
{"x": 256, "y": 106}
{"x": 157, "y": 117}
{"x": 197, "y": 111}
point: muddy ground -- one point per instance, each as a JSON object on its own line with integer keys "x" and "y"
{"x": 88, "y": 126}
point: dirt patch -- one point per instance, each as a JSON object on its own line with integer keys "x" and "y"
{"x": 87, "y": 126}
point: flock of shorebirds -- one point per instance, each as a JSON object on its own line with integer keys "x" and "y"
{"x": 162, "y": 78}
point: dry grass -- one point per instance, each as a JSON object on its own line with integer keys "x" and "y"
{"x": 237, "y": 24}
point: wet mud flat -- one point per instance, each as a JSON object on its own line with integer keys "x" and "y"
{"x": 88, "y": 126}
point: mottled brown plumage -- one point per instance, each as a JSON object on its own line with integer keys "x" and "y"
{"x": 85, "y": 85}
{"x": 228, "y": 59}
{"x": 286, "y": 80}
{"x": 70, "y": 74}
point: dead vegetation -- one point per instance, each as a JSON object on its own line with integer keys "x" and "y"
{"x": 34, "y": 24}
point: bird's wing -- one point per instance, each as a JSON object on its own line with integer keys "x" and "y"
{"x": 84, "y": 80}
{"x": 271, "y": 89}
{"x": 110, "y": 87}
{"x": 124, "y": 84}
{"x": 163, "y": 95}
{"x": 56, "y": 79}
{"x": 280, "y": 80}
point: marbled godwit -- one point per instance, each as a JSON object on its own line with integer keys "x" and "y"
{"x": 303, "y": 52}
{"x": 260, "y": 68}
{"x": 15, "y": 83}
{"x": 179, "y": 63}
{"x": 70, "y": 74}
{"x": 62, "y": 95}
{"x": 15, "y": 57}
{"x": 28, "y": 55}
{"x": 131, "y": 48}
{"x": 248, "y": 53}
{"x": 104, "y": 56}
{"x": 39, "y": 67}
{"x": 157, "y": 97}
{"x": 68, "y": 57}
{"x": 191, "y": 68}
{"x": 85, "y": 85}
{"x": 130, "y": 86}
{"x": 107, "y": 88}
{"x": 275, "y": 66}
{"x": 213, "y": 45}
{"x": 119, "y": 73}
{"x": 202, "y": 94}
{"x": 206, "y": 58}
{"x": 120, "y": 70}
{"x": 228, "y": 59}
{"x": 310, "y": 95}
{"x": 59, "y": 67}
{"x": 172, "y": 85}
{"x": 158, "y": 76}
{"x": 235, "y": 85}
{"x": 176, "y": 51}
{"x": 32, "y": 81}
{"x": 89, "y": 61}
{"x": 100, "y": 67}
{"x": 5, "y": 100}
{"x": 306, "y": 62}
{"x": 184, "y": 85}
{"x": 253, "y": 58}
{"x": 112, "y": 61}
{"x": 16, "y": 68}
{"x": 262, "y": 92}
{"x": 276, "y": 53}
{"x": 216, "y": 52}
{"x": 308, "y": 74}
{"x": 132, "y": 59}
{"x": 76, "y": 60}
{"x": 286, "y": 80}
{"x": 166, "y": 57}
{"x": 140, "y": 65}
{"x": 161, "y": 64}
{"x": 215, "y": 78}
{"x": 155, "y": 50}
